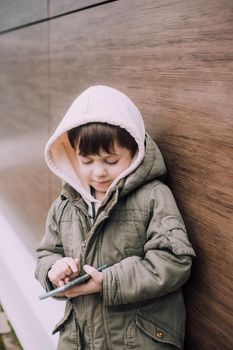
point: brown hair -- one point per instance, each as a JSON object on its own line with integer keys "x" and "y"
{"x": 92, "y": 138}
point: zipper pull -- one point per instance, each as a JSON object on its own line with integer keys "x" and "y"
{"x": 84, "y": 245}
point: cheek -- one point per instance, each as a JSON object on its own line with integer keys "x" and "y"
{"x": 84, "y": 173}
{"x": 121, "y": 167}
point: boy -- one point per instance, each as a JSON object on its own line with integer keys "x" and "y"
{"x": 113, "y": 209}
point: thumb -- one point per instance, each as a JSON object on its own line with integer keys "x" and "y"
{"x": 96, "y": 275}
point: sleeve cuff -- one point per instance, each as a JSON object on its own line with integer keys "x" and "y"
{"x": 42, "y": 275}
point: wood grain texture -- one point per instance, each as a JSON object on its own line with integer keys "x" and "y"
{"x": 57, "y": 7}
{"x": 24, "y": 178}
{"x": 175, "y": 60}
{"x": 15, "y": 13}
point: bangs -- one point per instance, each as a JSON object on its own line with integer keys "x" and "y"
{"x": 94, "y": 138}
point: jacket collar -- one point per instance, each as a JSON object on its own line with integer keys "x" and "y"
{"x": 69, "y": 193}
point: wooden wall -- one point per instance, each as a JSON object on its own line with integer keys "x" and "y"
{"x": 24, "y": 123}
{"x": 175, "y": 60}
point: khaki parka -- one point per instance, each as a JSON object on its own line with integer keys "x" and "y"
{"x": 139, "y": 232}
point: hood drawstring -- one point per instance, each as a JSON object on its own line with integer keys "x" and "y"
{"x": 93, "y": 204}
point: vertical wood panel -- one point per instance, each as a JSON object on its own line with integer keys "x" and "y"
{"x": 24, "y": 123}
{"x": 14, "y": 13}
{"x": 175, "y": 60}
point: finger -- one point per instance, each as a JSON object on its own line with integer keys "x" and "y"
{"x": 96, "y": 275}
{"x": 77, "y": 262}
{"x": 55, "y": 276}
{"x": 58, "y": 273}
{"x": 67, "y": 279}
{"x": 61, "y": 283}
{"x": 64, "y": 267}
{"x": 62, "y": 271}
{"x": 73, "y": 275}
{"x": 72, "y": 264}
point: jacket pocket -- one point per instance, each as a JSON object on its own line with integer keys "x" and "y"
{"x": 175, "y": 232}
{"x": 145, "y": 332}
{"x": 69, "y": 332}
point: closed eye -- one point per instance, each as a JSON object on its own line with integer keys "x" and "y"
{"x": 112, "y": 162}
{"x": 86, "y": 161}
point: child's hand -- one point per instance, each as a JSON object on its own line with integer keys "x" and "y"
{"x": 94, "y": 285}
{"x": 63, "y": 271}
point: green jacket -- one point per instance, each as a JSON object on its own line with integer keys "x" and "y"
{"x": 140, "y": 233}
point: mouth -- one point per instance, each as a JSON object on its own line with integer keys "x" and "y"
{"x": 101, "y": 182}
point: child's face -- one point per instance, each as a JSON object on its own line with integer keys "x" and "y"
{"x": 99, "y": 171}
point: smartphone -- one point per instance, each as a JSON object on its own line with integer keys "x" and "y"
{"x": 71, "y": 284}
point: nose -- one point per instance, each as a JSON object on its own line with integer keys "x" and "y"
{"x": 99, "y": 171}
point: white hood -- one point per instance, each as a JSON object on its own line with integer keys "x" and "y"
{"x": 96, "y": 104}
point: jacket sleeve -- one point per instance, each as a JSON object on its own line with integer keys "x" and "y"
{"x": 166, "y": 264}
{"x": 50, "y": 248}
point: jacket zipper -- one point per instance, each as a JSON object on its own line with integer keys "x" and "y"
{"x": 84, "y": 245}
{"x": 93, "y": 210}
{"x": 93, "y": 232}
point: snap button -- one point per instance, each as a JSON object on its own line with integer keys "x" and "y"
{"x": 159, "y": 334}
